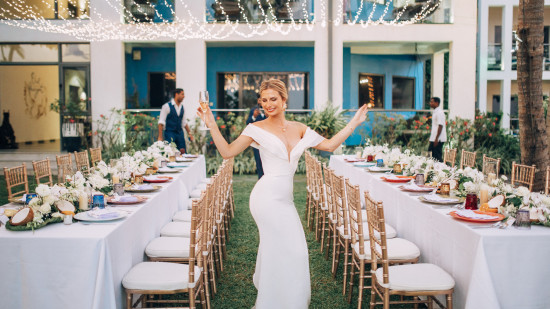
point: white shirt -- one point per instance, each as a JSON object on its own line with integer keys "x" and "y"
{"x": 165, "y": 110}
{"x": 438, "y": 119}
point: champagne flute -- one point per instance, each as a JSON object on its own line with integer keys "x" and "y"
{"x": 204, "y": 102}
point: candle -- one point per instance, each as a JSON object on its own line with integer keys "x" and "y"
{"x": 483, "y": 195}
{"x": 115, "y": 179}
{"x": 490, "y": 178}
{"x": 83, "y": 201}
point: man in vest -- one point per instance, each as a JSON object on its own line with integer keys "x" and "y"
{"x": 172, "y": 121}
{"x": 256, "y": 115}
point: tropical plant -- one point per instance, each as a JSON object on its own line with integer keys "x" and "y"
{"x": 326, "y": 122}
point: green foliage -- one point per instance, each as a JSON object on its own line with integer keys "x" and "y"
{"x": 326, "y": 122}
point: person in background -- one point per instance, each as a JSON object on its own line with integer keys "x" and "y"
{"x": 438, "y": 135}
{"x": 256, "y": 115}
{"x": 172, "y": 121}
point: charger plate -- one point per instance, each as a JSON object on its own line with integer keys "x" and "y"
{"x": 497, "y": 217}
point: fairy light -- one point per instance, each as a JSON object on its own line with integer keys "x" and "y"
{"x": 90, "y": 25}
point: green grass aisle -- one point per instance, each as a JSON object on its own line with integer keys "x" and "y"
{"x": 235, "y": 287}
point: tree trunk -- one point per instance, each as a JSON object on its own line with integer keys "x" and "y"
{"x": 532, "y": 125}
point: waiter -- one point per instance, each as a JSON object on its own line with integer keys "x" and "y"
{"x": 172, "y": 121}
{"x": 438, "y": 135}
{"x": 256, "y": 115}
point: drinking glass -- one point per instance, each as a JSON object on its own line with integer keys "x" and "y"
{"x": 204, "y": 102}
{"x": 471, "y": 201}
{"x": 522, "y": 220}
{"x": 358, "y": 152}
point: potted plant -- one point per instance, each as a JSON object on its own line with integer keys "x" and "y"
{"x": 74, "y": 116}
{"x": 326, "y": 122}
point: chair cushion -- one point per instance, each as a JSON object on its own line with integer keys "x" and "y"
{"x": 182, "y": 216}
{"x": 168, "y": 247}
{"x": 416, "y": 277}
{"x": 176, "y": 229}
{"x": 160, "y": 276}
{"x": 398, "y": 249}
{"x": 201, "y": 186}
{"x": 195, "y": 193}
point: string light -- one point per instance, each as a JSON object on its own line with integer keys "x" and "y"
{"x": 146, "y": 22}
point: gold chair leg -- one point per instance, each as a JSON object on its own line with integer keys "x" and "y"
{"x": 346, "y": 261}
{"x": 361, "y": 284}
{"x": 351, "y": 279}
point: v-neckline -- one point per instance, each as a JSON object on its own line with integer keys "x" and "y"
{"x": 289, "y": 153}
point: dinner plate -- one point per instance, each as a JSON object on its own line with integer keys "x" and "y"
{"x": 184, "y": 160}
{"x": 131, "y": 189}
{"x": 158, "y": 179}
{"x": 363, "y": 164}
{"x": 83, "y": 216}
{"x": 352, "y": 160}
{"x": 496, "y": 217}
{"x": 169, "y": 170}
{"x": 140, "y": 199}
{"x": 379, "y": 169}
{"x": 458, "y": 201}
{"x": 401, "y": 179}
{"x": 421, "y": 188}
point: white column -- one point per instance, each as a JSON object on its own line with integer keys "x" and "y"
{"x": 438, "y": 78}
{"x": 462, "y": 75}
{"x": 191, "y": 72}
{"x": 483, "y": 21}
{"x": 321, "y": 67}
{"x": 507, "y": 30}
{"x": 107, "y": 77}
{"x": 505, "y": 101}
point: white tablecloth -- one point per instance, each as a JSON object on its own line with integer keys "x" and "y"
{"x": 82, "y": 266}
{"x": 493, "y": 268}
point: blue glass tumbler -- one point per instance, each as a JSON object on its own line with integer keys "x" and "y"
{"x": 98, "y": 201}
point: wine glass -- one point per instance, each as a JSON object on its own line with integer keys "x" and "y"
{"x": 204, "y": 102}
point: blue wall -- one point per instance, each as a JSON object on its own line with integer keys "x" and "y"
{"x": 259, "y": 59}
{"x": 155, "y": 59}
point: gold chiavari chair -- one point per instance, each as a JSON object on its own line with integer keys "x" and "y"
{"x": 220, "y": 221}
{"x": 343, "y": 234}
{"x": 95, "y": 155}
{"x": 42, "y": 169}
{"x": 332, "y": 218}
{"x": 82, "y": 162}
{"x": 523, "y": 175}
{"x": 449, "y": 156}
{"x": 230, "y": 196}
{"x": 547, "y": 185}
{"x": 64, "y": 166}
{"x": 324, "y": 211}
{"x": 427, "y": 280}
{"x": 15, "y": 177}
{"x": 160, "y": 278}
{"x": 401, "y": 251}
{"x": 467, "y": 158}
{"x": 309, "y": 188}
{"x": 490, "y": 165}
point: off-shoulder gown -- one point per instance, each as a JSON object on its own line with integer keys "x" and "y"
{"x": 282, "y": 266}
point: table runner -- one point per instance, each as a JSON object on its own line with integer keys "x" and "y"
{"x": 82, "y": 266}
{"x": 493, "y": 268}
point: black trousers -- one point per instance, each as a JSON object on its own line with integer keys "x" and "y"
{"x": 437, "y": 151}
{"x": 259, "y": 168}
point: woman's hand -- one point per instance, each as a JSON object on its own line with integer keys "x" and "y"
{"x": 360, "y": 116}
{"x": 207, "y": 116}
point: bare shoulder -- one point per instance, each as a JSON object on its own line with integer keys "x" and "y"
{"x": 260, "y": 124}
{"x": 298, "y": 126}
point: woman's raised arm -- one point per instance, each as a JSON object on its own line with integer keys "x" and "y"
{"x": 226, "y": 150}
{"x": 333, "y": 143}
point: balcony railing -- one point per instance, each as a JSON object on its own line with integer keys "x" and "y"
{"x": 494, "y": 57}
{"x": 545, "y": 61}
{"x": 357, "y": 11}
{"x": 254, "y": 11}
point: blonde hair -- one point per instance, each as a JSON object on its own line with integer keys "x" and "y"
{"x": 276, "y": 85}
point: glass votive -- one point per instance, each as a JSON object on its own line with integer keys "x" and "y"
{"x": 523, "y": 221}
{"x": 98, "y": 200}
{"x": 119, "y": 189}
{"x": 163, "y": 163}
{"x": 397, "y": 168}
{"x": 358, "y": 152}
{"x": 29, "y": 197}
{"x": 172, "y": 158}
{"x": 380, "y": 163}
{"x": 370, "y": 158}
{"x": 445, "y": 189}
{"x": 419, "y": 179}
{"x": 68, "y": 220}
{"x": 471, "y": 201}
{"x": 138, "y": 179}
{"x": 149, "y": 171}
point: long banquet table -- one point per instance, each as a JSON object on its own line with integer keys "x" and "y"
{"x": 492, "y": 268}
{"x": 82, "y": 266}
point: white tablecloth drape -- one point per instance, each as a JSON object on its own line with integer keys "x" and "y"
{"x": 82, "y": 266}
{"x": 493, "y": 268}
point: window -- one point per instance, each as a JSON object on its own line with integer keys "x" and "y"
{"x": 48, "y": 9}
{"x": 402, "y": 92}
{"x": 252, "y": 11}
{"x": 238, "y": 90}
{"x": 161, "y": 88}
{"x": 371, "y": 90}
{"x": 149, "y": 11}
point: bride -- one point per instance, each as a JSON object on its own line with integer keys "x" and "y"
{"x": 282, "y": 265}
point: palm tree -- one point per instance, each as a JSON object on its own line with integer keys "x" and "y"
{"x": 532, "y": 126}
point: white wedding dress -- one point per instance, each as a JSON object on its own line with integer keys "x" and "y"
{"x": 282, "y": 265}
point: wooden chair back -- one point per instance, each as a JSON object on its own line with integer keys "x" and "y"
{"x": 42, "y": 169}
{"x": 449, "y": 156}
{"x": 308, "y": 170}
{"x": 64, "y": 166}
{"x": 339, "y": 200}
{"x": 523, "y": 175}
{"x": 95, "y": 156}
{"x": 378, "y": 245}
{"x": 547, "y": 185}
{"x": 318, "y": 180}
{"x": 353, "y": 195}
{"x": 81, "y": 160}
{"x": 328, "y": 172}
{"x": 196, "y": 238}
{"x": 490, "y": 165}
{"x": 15, "y": 177}
{"x": 467, "y": 158}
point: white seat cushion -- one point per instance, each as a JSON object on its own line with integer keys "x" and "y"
{"x": 195, "y": 193}
{"x": 182, "y": 216}
{"x": 416, "y": 277}
{"x": 176, "y": 229}
{"x": 160, "y": 276}
{"x": 168, "y": 247}
{"x": 201, "y": 186}
{"x": 398, "y": 249}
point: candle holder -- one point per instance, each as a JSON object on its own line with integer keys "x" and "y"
{"x": 380, "y": 163}
{"x": 98, "y": 201}
{"x": 445, "y": 188}
{"x": 397, "y": 168}
{"x": 471, "y": 201}
{"x": 370, "y": 158}
{"x": 138, "y": 179}
{"x": 172, "y": 158}
{"x": 419, "y": 179}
